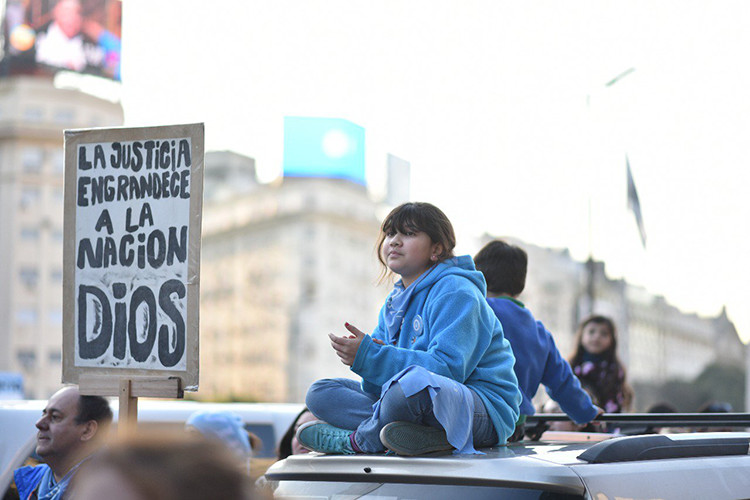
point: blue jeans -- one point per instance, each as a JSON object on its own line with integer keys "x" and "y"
{"x": 342, "y": 403}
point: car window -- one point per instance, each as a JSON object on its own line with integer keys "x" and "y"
{"x": 320, "y": 490}
{"x": 266, "y": 433}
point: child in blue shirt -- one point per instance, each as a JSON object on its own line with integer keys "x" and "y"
{"x": 437, "y": 372}
{"x": 537, "y": 359}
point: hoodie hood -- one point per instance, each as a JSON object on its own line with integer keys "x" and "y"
{"x": 462, "y": 266}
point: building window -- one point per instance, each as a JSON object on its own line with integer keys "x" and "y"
{"x": 308, "y": 291}
{"x": 29, "y": 277}
{"x": 29, "y": 233}
{"x": 26, "y": 316}
{"x": 27, "y": 359}
{"x": 30, "y": 197}
{"x": 58, "y": 196}
{"x": 55, "y": 357}
{"x": 32, "y": 159}
{"x": 64, "y": 116}
{"x": 58, "y": 161}
{"x": 54, "y": 318}
{"x": 56, "y": 276}
{"x": 33, "y": 114}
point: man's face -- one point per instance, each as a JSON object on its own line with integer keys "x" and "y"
{"x": 67, "y": 14}
{"x": 59, "y": 434}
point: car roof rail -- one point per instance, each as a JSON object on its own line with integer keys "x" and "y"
{"x": 657, "y": 419}
{"x": 659, "y": 446}
{"x": 641, "y": 423}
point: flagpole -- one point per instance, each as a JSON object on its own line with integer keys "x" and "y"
{"x": 590, "y": 294}
{"x": 590, "y": 267}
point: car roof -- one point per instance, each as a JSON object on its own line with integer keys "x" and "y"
{"x": 508, "y": 466}
{"x": 555, "y": 466}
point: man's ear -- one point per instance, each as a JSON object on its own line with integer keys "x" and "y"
{"x": 89, "y": 430}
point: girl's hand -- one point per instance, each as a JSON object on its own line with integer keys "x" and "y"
{"x": 353, "y": 329}
{"x": 346, "y": 347}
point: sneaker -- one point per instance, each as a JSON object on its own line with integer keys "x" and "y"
{"x": 408, "y": 439}
{"x": 325, "y": 438}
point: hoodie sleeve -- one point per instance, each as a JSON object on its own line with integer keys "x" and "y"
{"x": 378, "y": 333}
{"x": 563, "y": 386}
{"x": 458, "y": 337}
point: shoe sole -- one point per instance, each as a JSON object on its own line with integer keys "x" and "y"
{"x": 408, "y": 439}
{"x": 301, "y": 439}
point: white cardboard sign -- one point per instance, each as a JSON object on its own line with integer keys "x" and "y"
{"x": 133, "y": 201}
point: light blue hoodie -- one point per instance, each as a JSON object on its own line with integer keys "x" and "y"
{"x": 449, "y": 329}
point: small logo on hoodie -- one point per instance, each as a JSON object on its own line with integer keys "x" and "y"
{"x": 417, "y": 324}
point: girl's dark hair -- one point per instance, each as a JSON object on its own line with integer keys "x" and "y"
{"x": 610, "y": 354}
{"x": 419, "y": 216}
{"x": 285, "y": 445}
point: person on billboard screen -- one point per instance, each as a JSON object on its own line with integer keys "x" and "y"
{"x": 63, "y": 43}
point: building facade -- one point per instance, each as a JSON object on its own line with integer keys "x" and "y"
{"x": 656, "y": 341}
{"x": 281, "y": 267}
{"x": 33, "y": 115}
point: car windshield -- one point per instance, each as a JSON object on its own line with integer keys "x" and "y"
{"x": 320, "y": 490}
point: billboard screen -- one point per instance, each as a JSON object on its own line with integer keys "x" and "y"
{"x": 324, "y": 147}
{"x": 46, "y": 36}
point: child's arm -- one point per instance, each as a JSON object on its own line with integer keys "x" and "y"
{"x": 460, "y": 327}
{"x": 346, "y": 349}
{"x": 563, "y": 386}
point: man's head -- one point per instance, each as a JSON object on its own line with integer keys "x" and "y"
{"x": 67, "y": 15}
{"x": 504, "y": 268}
{"x": 70, "y": 428}
{"x": 227, "y": 427}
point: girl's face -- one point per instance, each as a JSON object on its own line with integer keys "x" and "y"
{"x": 596, "y": 338}
{"x": 409, "y": 254}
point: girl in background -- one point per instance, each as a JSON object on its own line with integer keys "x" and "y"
{"x": 596, "y": 364}
{"x": 437, "y": 372}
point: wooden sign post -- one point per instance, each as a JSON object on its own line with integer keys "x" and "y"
{"x": 133, "y": 202}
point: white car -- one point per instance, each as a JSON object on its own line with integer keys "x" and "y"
{"x": 268, "y": 421}
{"x": 580, "y": 466}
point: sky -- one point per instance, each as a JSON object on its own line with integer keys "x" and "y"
{"x": 502, "y": 109}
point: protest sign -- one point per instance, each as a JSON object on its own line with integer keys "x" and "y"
{"x": 133, "y": 201}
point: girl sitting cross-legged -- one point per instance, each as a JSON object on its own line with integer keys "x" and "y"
{"x": 437, "y": 372}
